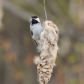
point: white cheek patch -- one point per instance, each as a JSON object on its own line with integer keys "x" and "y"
{"x": 38, "y": 19}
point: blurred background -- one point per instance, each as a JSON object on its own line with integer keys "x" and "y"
{"x": 17, "y": 49}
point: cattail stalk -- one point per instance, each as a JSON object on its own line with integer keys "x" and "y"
{"x": 48, "y": 52}
{"x": 1, "y": 14}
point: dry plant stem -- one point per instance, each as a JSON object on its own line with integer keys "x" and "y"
{"x": 1, "y": 14}
{"x": 48, "y": 52}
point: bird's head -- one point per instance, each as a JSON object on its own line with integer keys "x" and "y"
{"x": 34, "y": 20}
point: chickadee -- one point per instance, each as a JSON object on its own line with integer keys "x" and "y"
{"x": 35, "y": 29}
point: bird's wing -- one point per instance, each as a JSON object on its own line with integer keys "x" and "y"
{"x": 31, "y": 32}
{"x": 36, "y": 43}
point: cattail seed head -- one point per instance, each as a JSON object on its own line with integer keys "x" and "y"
{"x": 48, "y": 52}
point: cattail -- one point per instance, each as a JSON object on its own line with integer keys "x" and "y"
{"x": 48, "y": 52}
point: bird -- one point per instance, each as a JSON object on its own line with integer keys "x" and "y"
{"x": 35, "y": 29}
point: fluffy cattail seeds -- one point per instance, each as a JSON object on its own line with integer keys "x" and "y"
{"x": 48, "y": 52}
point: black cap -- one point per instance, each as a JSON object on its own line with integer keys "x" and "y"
{"x": 34, "y": 17}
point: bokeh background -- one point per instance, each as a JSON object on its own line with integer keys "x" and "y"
{"x": 17, "y": 49}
